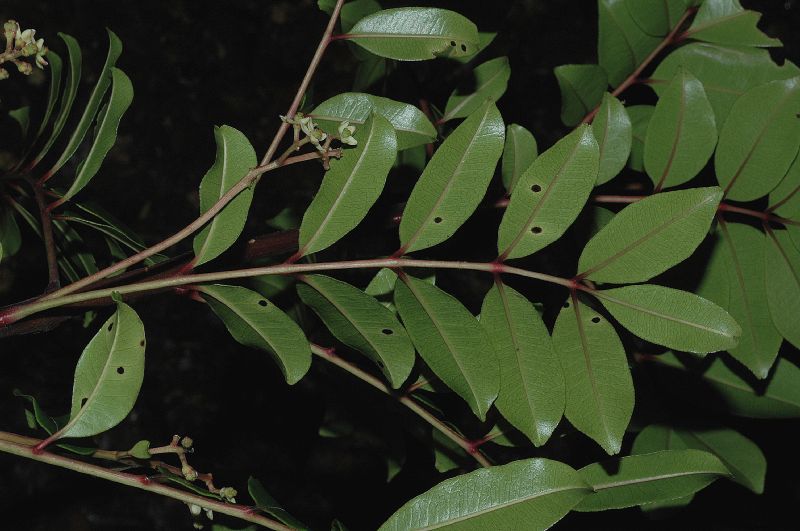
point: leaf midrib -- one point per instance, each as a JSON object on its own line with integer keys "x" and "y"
{"x": 650, "y": 479}
{"x": 470, "y": 97}
{"x": 215, "y": 222}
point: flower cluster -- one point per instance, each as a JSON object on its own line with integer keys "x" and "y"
{"x": 315, "y": 135}
{"x": 21, "y": 43}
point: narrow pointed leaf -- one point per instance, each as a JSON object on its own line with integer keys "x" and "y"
{"x": 656, "y": 17}
{"x": 106, "y": 133}
{"x": 451, "y": 341}
{"x": 361, "y": 322}
{"x": 416, "y": 34}
{"x": 72, "y": 247}
{"x": 582, "y": 88}
{"x": 779, "y": 398}
{"x": 22, "y": 116}
{"x": 650, "y": 236}
{"x": 613, "y": 131}
{"x": 672, "y": 318}
{"x": 50, "y": 424}
{"x": 454, "y": 181}
{"x": 103, "y": 82}
{"x": 10, "y": 236}
{"x": 785, "y": 198}
{"x": 744, "y": 249}
{"x": 531, "y": 381}
{"x": 682, "y": 133}
{"x": 726, "y": 22}
{"x": 55, "y": 65}
{"x": 350, "y": 187}
{"x": 411, "y": 126}
{"x": 269, "y": 505}
{"x": 235, "y": 157}
{"x": 621, "y": 44}
{"x": 599, "y": 385}
{"x": 649, "y": 478}
{"x": 67, "y": 98}
{"x": 640, "y": 120}
{"x": 518, "y": 154}
{"x": 550, "y": 195}
{"x": 726, "y": 72}
{"x": 782, "y": 270}
{"x": 530, "y": 493}
{"x": 759, "y": 140}
{"x": 256, "y": 322}
{"x": 491, "y": 80}
{"x": 108, "y": 376}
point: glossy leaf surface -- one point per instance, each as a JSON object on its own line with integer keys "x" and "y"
{"x": 650, "y": 236}
{"x": 361, "y": 322}
{"x": 725, "y": 22}
{"x": 454, "y": 181}
{"x": 256, "y": 322}
{"x": 490, "y": 82}
{"x": 416, "y": 34}
{"x": 649, "y": 478}
{"x": 582, "y": 88}
{"x": 411, "y": 126}
{"x": 599, "y": 387}
{"x": 782, "y": 272}
{"x": 234, "y": 159}
{"x": 656, "y": 17}
{"x": 682, "y": 133}
{"x": 621, "y": 44}
{"x": 451, "y": 341}
{"x": 614, "y": 133}
{"x": 519, "y": 153}
{"x": 550, "y": 195}
{"x": 672, "y": 318}
{"x": 531, "y": 380}
{"x": 350, "y": 187}
{"x": 640, "y": 119}
{"x": 530, "y": 493}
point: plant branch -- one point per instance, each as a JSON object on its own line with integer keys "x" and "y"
{"x": 23, "y": 447}
{"x": 47, "y": 236}
{"x": 470, "y": 447}
{"x": 15, "y": 313}
{"x": 670, "y": 39}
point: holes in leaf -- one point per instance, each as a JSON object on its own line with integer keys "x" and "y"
{"x": 83, "y": 401}
{"x": 120, "y": 370}
{"x": 536, "y": 230}
{"x": 595, "y": 319}
{"x": 463, "y": 47}
{"x": 437, "y": 219}
{"x": 452, "y": 43}
{"x": 141, "y": 343}
{"x": 536, "y": 188}
{"x": 566, "y": 305}
{"x": 110, "y": 326}
{"x": 387, "y": 331}
{"x": 262, "y": 302}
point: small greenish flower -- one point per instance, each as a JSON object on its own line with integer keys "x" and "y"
{"x": 3, "y": 74}
{"x": 41, "y": 49}
{"x": 209, "y": 514}
{"x": 346, "y": 133}
{"x": 23, "y": 38}
{"x": 24, "y": 68}
{"x": 187, "y": 442}
{"x": 189, "y": 473}
{"x": 229, "y": 493}
{"x": 10, "y": 29}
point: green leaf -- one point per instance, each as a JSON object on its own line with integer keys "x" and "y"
{"x": 673, "y": 318}
{"x": 447, "y": 455}
{"x": 105, "y": 133}
{"x": 649, "y": 478}
{"x": 22, "y": 116}
{"x": 518, "y": 154}
{"x": 582, "y": 88}
{"x": 67, "y": 98}
{"x": 454, "y": 181}
{"x": 10, "y": 237}
{"x": 744, "y": 249}
{"x": 235, "y": 157}
{"x": 759, "y": 140}
{"x": 369, "y": 71}
{"x": 451, "y": 341}
{"x": 103, "y": 82}
{"x": 55, "y": 67}
{"x": 485, "y": 38}
{"x": 681, "y": 135}
{"x": 779, "y": 398}
{"x": 141, "y": 450}
{"x": 256, "y": 322}
{"x": 782, "y": 272}
{"x": 530, "y": 493}
{"x": 50, "y": 424}
{"x": 550, "y": 195}
{"x": 650, "y": 236}
{"x": 726, "y": 72}
{"x": 656, "y": 17}
{"x": 613, "y": 131}
{"x": 725, "y": 22}
{"x": 741, "y": 456}
{"x": 640, "y": 120}
{"x": 411, "y": 125}
{"x": 269, "y": 505}
{"x": 72, "y": 247}
{"x": 655, "y": 438}
{"x": 621, "y": 44}
{"x": 354, "y": 11}
{"x": 785, "y": 198}
{"x": 490, "y": 82}
{"x": 361, "y": 322}
{"x": 350, "y": 187}
{"x": 416, "y": 34}
{"x": 532, "y": 391}
{"x": 599, "y": 387}
{"x": 108, "y": 376}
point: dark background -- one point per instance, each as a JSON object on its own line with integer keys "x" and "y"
{"x": 198, "y": 64}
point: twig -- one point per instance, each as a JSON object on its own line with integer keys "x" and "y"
{"x": 47, "y": 236}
